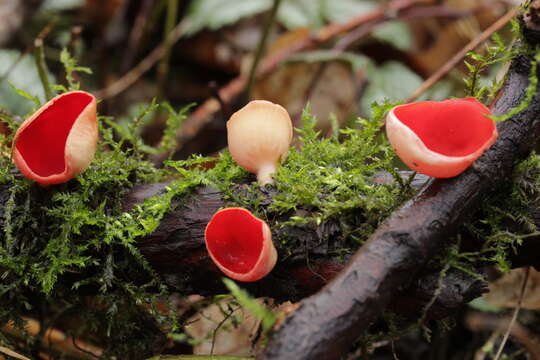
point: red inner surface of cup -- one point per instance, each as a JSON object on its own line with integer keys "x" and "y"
{"x": 456, "y": 127}
{"x": 234, "y": 237}
{"x": 42, "y": 143}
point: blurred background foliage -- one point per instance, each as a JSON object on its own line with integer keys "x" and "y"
{"x": 216, "y": 43}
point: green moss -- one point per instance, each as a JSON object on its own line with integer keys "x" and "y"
{"x": 507, "y": 216}
{"x": 63, "y": 243}
{"x": 478, "y": 63}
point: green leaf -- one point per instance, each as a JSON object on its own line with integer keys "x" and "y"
{"x": 392, "y": 81}
{"x": 70, "y": 65}
{"x": 356, "y": 61}
{"x": 396, "y": 33}
{"x": 482, "y": 305}
{"x": 340, "y": 11}
{"x": 26, "y": 95}
{"x": 267, "y": 317}
{"x": 61, "y": 5}
{"x": 301, "y": 13}
{"x": 469, "y": 66}
{"x": 475, "y": 56}
{"x": 174, "y": 121}
{"x": 24, "y": 77}
{"x": 214, "y": 14}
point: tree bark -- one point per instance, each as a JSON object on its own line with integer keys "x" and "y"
{"x": 176, "y": 250}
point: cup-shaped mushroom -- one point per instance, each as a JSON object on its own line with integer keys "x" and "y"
{"x": 440, "y": 138}
{"x": 58, "y": 141}
{"x": 259, "y": 136}
{"x": 240, "y": 244}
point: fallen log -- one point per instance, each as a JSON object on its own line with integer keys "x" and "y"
{"x": 177, "y": 252}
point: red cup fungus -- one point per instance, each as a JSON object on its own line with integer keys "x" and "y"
{"x": 240, "y": 244}
{"x": 440, "y": 138}
{"x": 259, "y": 136}
{"x": 58, "y": 141}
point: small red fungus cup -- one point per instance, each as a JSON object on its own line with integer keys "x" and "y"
{"x": 57, "y": 142}
{"x": 440, "y": 138}
{"x": 240, "y": 244}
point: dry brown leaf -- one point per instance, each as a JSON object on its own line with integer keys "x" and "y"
{"x": 54, "y": 338}
{"x": 237, "y": 331}
{"x": 505, "y": 291}
{"x": 450, "y": 37}
{"x": 12, "y": 354}
{"x": 334, "y": 91}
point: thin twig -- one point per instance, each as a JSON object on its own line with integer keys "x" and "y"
{"x": 515, "y": 315}
{"x": 136, "y": 34}
{"x": 11, "y": 353}
{"x": 219, "y": 325}
{"x": 225, "y": 108}
{"x": 41, "y": 64}
{"x": 146, "y": 64}
{"x": 456, "y": 59}
{"x": 262, "y": 46}
{"x": 422, "y": 12}
{"x": 479, "y": 321}
{"x": 393, "y": 348}
{"x": 163, "y": 67}
{"x": 382, "y": 12}
{"x": 74, "y": 40}
{"x": 490, "y": 343}
{"x": 348, "y": 40}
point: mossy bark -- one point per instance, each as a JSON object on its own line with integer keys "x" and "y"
{"x": 177, "y": 252}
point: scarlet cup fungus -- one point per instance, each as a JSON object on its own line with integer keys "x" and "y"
{"x": 259, "y": 136}
{"x": 58, "y": 141}
{"x": 240, "y": 244}
{"x": 440, "y": 138}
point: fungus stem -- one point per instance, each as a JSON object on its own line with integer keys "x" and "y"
{"x": 264, "y": 174}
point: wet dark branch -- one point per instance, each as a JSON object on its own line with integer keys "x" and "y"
{"x": 325, "y": 325}
{"x": 176, "y": 250}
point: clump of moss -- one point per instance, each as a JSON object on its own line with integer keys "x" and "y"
{"x": 63, "y": 243}
{"x": 507, "y": 218}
